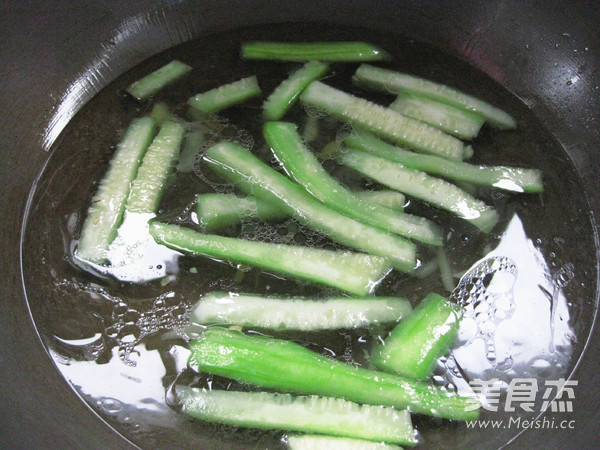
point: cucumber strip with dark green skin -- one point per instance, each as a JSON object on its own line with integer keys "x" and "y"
{"x": 287, "y": 93}
{"x": 308, "y": 51}
{"x": 303, "y": 166}
{"x": 230, "y": 159}
{"x": 390, "y": 199}
{"x": 290, "y": 367}
{"x": 321, "y": 442}
{"x": 281, "y": 313}
{"x": 157, "y": 80}
{"x": 393, "y": 82}
{"x": 225, "y": 96}
{"x": 508, "y": 178}
{"x": 272, "y": 411}
{"x": 414, "y": 183}
{"x": 220, "y": 210}
{"x": 158, "y": 162}
{"x": 385, "y": 122}
{"x": 452, "y": 120}
{"x": 108, "y": 204}
{"x": 417, "y": 342}
{"x": 356, "y": 273}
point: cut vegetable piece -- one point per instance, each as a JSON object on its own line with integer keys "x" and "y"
{"x": 390, "y": 199}
{"x": 221, "y": 210}
{"x": 235, "y": 162}
{"x": 303, "y": 166}
{"x": 192, "y": 144}
{"x": 452, "y": 120}
{"x": 319, "y": 51}
{"x": 418, "y": 184}
{"x": 155, "y": 81}
{"x": 502, "y": 177}
{"x": 319, "y": 442}
{"x": 445, "y": 271}
{"x": 271, "y": 411}
{"x": 106, "y": 210}
{"x": 414, "y": 346}
{"x": 290, "y": 367}
{"x": 356, "y": 273}
{"x": 225, "y": 96}
{"x": 147, "y": 187}
{"x": 383, "y": 121}
{"x": 395, "y": 82}
{"x": 286, "y": 94}
{"x": 279, "y": 313}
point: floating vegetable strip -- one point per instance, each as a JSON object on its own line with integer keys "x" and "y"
{"x": 225, "y": 96}
{"x": 416, "y": 343}
{"x": 356, "y": 273}
{"x": 280, "y": 313}
{"x": 450, "y": 119}
{"x": 383, "y": 121}
{"x": 265, "y": 410}
{"x": 235, "y": 162}
{"x": 418, "y": 184}
{"x": 319, "y": 442}
{"x": 502, "y": 177}
{"x": 307, "y": 51}
{"x": 155, "y": 81}
{"x": 220, "y": 210}
{"x": 303, "y": 166}
{"x": 390, "y": 199}
{"x": 286, "y": 94}
{"x": 395, "y": 82}
{"x": 287, "y": 366}
{"x": 106, "y": 210}
{"x": 148, "y": 185}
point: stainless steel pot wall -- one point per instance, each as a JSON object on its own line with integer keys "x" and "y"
{"x": 57, "y": 54}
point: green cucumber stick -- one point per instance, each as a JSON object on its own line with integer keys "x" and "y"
{"x": 415, "y": 344}
{"x": 290, "y": 367}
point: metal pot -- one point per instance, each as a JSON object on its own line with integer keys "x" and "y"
{"x": 56, "y": 55}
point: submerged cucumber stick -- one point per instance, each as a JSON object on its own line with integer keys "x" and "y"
{"x": 414, "y": 346}
{"x": 414, "y": 183}
{"x": 155, "y": 81}
{"x": 148, "y": 185}
{"x": 356, "y": 273}
{"x": 393, "y": 82}
{"x": 320, "y": 442}
{"x": 286, "y": 94}
{"x": 303, "y": 166}
{"x": 106, "y": 210}
{"x": 271, "y": 411}
{"x": 225, "y": 96}
{"x": 307, "y": 51}
{"x": 220, "y": 210}
{"x": 280, "y": 313}
{"x": 382, "y": 121}
{"x": 287, "y": 366}
{"x": 238, "y": 164}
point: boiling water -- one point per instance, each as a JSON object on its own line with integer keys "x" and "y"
{"x": 528, "y": 288}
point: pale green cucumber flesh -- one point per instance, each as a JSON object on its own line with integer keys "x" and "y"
{"x": 273, "y": 187}
{"x": 356, "y": 273}
{"x": 225, "y": 96}
{"x": 395, "y": 82}
{"x": 278, "y": 313}
{"x": 383, "y": 121}
{"x": 303, "y": 167}
{"x": 265, "y": 410}
{"x": 307, "y": 51}
{"x": 106, "y": 210}
{"x": 157, "y": 80}
{"x": 434, "y": 191}
{"x": 287, "y": 93}
{"x": 158, "y": 162}
{"x": 290, "y": 367}
{"x": 415, "y": 344}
